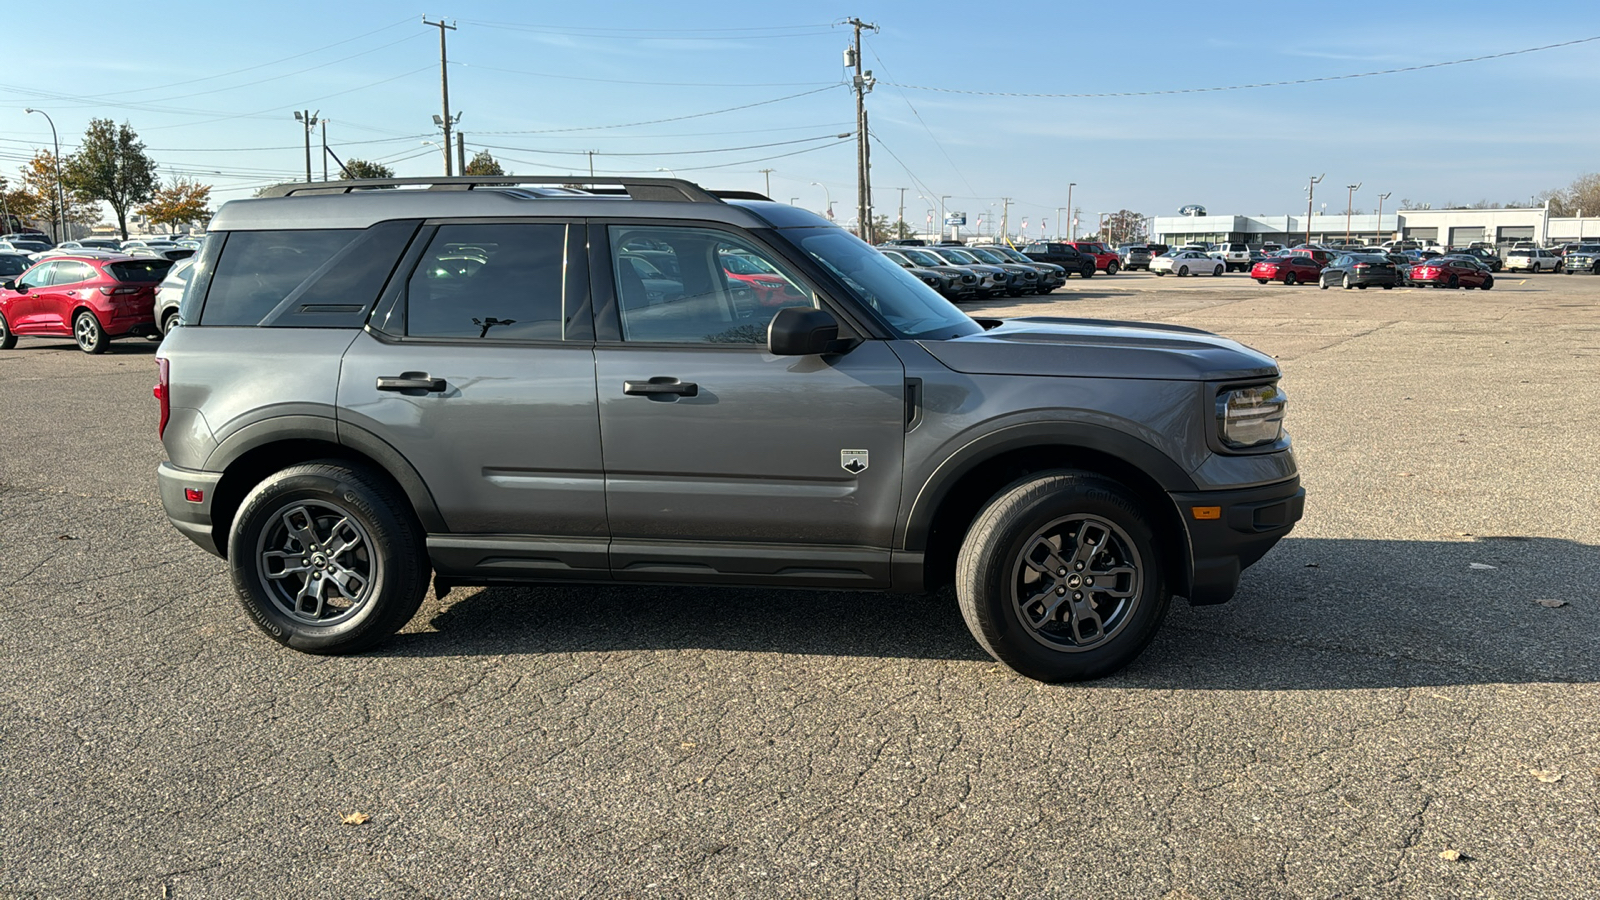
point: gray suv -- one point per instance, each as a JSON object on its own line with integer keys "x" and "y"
{"x": 500, "y": 380}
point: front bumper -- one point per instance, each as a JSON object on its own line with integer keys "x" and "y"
{"x": 191, "y": 517}
{"x": 1230, "y": 530}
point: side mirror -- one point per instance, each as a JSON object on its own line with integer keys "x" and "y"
{"x": 801, "y": 331}
{"x": 9, "y": 285}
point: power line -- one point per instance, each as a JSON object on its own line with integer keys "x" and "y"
{"x": 1244, "y": 87}
{"x": 824, "y": 137}
{"x": 665, "y": 34}
{"x": 715, "y": 84}
{"x": 715, "y": 112}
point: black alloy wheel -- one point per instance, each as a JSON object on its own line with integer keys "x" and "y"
{"x": 1061, "y": 577}
{"x": 8, "y": 338}
{"x": 1289, "y": 279}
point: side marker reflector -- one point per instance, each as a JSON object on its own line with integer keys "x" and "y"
{"x": 194, "y": 496}
{"x": 1206, "y": 512}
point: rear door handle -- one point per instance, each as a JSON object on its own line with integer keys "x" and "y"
{"x": 661, "y": 385}
{"x": 411, "y": 381}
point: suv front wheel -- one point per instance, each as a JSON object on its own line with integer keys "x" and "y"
{"x": 1060, "y": 577}
{"x": 326, "y": 558}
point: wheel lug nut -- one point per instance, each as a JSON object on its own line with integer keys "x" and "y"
{"x": 1079, "y": 567}
{"x": 1076, "y": 596}
{"x": 1061, "y": 591}
{"x": 1089, "y": 582}
{"x": 1063, "y": 571}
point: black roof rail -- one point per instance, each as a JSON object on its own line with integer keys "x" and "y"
{"x": 668, "y": 189}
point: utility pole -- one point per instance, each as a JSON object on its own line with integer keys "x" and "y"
{"x": 863, "y": 83}
{"x": 1349, "y": 201}
{"x": 901, "y": 219}
{"x": 768, "y": 174}
{"x": 309, "y": 120}
{"x": 444, "y": 89}
{"x": 1381, "y": 198}
{"x": 461, "y": 152}
{"x": 1311, "y": 193}
{"x": 591, "y": 161}
{"x": 1072, "y": 226}
{"x": 324, "y": 124}
{"x": 1005, "y": 217}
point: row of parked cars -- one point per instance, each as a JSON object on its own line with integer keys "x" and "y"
{"x": 1365, "y": 267}
{"x": 93, "y": 290}
{"x": 979, "y": 271}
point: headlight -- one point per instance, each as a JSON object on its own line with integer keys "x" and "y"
{"x": 1250, "y": 417}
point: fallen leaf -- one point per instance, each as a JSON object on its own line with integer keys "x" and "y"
{"x": 1479, "y": 566}
{"x": 355, "y": 818}
{"x": 65, "y": 537}
{"x": 1463, "y": 534}
{"x": 1451, "y": 855}
{"x": 1313, "y": 565}
{"x": 1407, "y": 475}
{"x": 1546, "y": 776}
{"x": 686, "y": 745}
{"x": 1551, "y": 603}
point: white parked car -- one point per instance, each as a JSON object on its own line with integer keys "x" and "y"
{"x": 1186, "y": 262}
{"x": 1234, "y": 255}
{"x": 1532, "y": 259}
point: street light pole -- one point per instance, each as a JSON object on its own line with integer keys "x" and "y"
{"x": 1072, "y": 226}
{"x": 1311, "y": 193}
{"x": 828, "y": 194}
{"x": 942, "y": 199}
{"x": 1349, "y": 200}
{"x": 61, "y": 200}
{"x": 1381, "y": 198}
{"x": 1059, "y": 232}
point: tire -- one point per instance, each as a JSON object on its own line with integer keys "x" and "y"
{"x": 1161, "y": 274}
{"x": 1488, "y": 282}
{"x": 1183, "y": 271}
{"x": 1217, "y": 272}
{"x": 89, "y": 334}
{"x": 305, "y": 509}
{"x": 8, "y": 338}
{"x": 1290, "y": 280}
{"x": 1111, "y": 269}
{"x": 1087, "y": 272}
{"x": 1348, "y": 284}
{"x": 1455, "y": 283}
{"x": 1322, "y": 283}
{"x": 1261, "y": 280}
{"x": 169, "y": 322}
{"x": 1019, "y": 546}
{"x": 1388, "y": 287}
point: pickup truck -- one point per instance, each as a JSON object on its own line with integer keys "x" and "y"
{"x": 1066, "y": 256}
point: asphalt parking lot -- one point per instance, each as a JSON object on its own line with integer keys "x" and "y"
{"x": 1412, "y": 675}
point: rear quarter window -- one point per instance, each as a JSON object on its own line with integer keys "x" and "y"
{"x": 322, "y": 278}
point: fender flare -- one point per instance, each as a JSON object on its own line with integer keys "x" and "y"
{"x": 280, "y": 429}
{"x": 936, "y": 487}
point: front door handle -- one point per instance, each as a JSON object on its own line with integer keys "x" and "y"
{"x": 411, "y": 381}
{"x": 661, "y": 386}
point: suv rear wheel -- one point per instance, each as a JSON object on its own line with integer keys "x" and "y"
{"x": 8, "y": 338}
{"x": 326, "y": 558}
{"x": 1060, "y": 579}
{"x": 86, "y": 330}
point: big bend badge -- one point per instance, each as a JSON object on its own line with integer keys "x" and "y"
{"x": 853, "y": 461}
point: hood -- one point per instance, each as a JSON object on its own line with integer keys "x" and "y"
{"x": 1097, "y": 348}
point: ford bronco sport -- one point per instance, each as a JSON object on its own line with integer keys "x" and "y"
{"x": 502, "y": 380}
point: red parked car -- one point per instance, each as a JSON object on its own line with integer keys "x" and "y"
{"x": 89, "y": 299}
{"x": 1105, "y": 259}
{"x": 1452, "y": 272}
{"x": 1287, "y": 269}
{"x": 771, "y": 288}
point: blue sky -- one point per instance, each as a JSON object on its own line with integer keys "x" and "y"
{"x": 211, "y": 89}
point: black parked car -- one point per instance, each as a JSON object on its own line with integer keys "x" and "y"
{"x": 1485, "y": 256}
{"x": 1357, "y": 270}
{"x": 1068, "y": 257}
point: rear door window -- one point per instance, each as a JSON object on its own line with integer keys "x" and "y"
{"x": 497, "y": 281}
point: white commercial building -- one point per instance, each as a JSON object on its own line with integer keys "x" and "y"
{"x": 1448, "y": 227}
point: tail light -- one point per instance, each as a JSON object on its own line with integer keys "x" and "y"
{"x": 163, "y": 392}
{"x": 119, "y": 289}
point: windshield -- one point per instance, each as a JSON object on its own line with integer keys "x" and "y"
{"x": 912, "y": 309}
{"x": 986, "y": 256}
{"x": 924, "y": 258}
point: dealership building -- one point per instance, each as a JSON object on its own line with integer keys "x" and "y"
{"x": 1447, "y": 227}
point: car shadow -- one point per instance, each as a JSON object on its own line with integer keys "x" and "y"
{"x": 1313, "y": 615}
